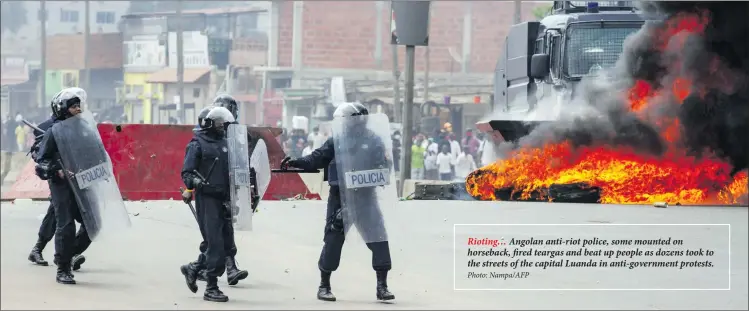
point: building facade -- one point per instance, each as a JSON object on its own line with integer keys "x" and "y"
{"x": 67, "y": 17}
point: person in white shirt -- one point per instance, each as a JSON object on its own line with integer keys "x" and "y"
{"x": 464, "y": 165}
{"x": 317, "y": 138}
{"x": 308, "y": 149}
{"x": 433, "y": 147}
{"x": 486, "y": 150}
{"x": 445, "y": 163}
{"x": 430, "y": 165}
{"x": 454, "y": 146}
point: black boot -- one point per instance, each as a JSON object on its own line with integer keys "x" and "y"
{"x": 382, "y": 287}
{"x": 212, "y": 293}
{"x": 64, "y": 276}
{"x": 36, "y": 255}
{"x": 190, "y": 273}
{"x": 200, "y": 265}
{"x": 323, "y": 292}
{"x": 78, "y": 260}
{"x": 233, "y": 274}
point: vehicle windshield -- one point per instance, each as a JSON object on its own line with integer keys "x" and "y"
{"x": 589, "y": 49}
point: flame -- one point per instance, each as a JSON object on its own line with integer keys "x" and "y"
{"x": 621, "y": 174}
{"x": 639, "y": 94}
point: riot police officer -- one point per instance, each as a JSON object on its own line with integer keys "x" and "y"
{"x": 330, "y": 256}
{"x": 233, "y": 273}
{"x": 66, "y": 104}
{"x": 48, "y": 225}
{"x": 205, "y": 173}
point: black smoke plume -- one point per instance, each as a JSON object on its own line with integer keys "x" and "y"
{"x": 714, "y": 117}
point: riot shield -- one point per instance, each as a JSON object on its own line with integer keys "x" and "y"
{"x": 91, "y": 175}
{"x": 259, "y": 161}
{"x": 364, "y": 161}
{"x": 239, "y": 176}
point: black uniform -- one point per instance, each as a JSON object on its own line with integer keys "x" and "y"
{"x": 211, "y": 198}
{"x": 233, "y": 274}
{"x": 334, "y": 236}
{"x": 66, "y": 209}
{"x": 49, "y": 225}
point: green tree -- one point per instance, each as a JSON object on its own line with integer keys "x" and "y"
{"x": 13, "y": 15}
{"x": 542, "y": 11}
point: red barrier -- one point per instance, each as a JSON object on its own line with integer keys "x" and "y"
{"x": 27, "y": 185}
{"x": 147, "y": 160}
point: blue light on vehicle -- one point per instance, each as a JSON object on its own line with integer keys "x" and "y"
{"x": 592, "y": 7}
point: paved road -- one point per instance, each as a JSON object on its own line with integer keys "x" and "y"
{"x": 139, "y": 268}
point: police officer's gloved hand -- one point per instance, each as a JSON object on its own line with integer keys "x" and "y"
{"x": 43, "y": 171}
{"x": 288, "y": 162}
{"x": 187, "y": 195}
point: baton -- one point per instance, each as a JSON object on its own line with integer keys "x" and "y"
{"x": 275, "y": 170}
{"x": 192, "y": 208}
{"x": 210, "y": 170}
{"x": 32, "y": 126}
{"x": 189, "y": 203}
{"x": 35, "y": 128}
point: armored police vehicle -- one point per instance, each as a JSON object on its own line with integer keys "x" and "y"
{"x": 543, "y": 61}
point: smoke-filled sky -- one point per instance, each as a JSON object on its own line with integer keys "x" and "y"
{"x": 692, "y": 62}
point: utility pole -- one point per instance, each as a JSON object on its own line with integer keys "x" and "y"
{"x": 43, "y": 69}
{"x": 413, "y": 18}
{"x": 408, "y": 119}
{"x": 518, "y": 18}
{"x": 180, "y": 67}
{"x": 397, "y": 104}
{"x": 426, "y": 75}
{"x": 86, "y": 53}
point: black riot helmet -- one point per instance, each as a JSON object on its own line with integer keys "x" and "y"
{"x": 202, "y": 114}
{"x": 217, "y": 119}
{"x": 228, "y": 102}
{"x": 66, "y": 99}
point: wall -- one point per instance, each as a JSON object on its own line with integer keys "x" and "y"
{"x": 102, "y": 94}
{"x": 171, "y": 90}
{"x": 55, "y": 82}
{"x": 343, "y": 34}
{"x": 135, "y": 112}
{"x": 103, "y": 83}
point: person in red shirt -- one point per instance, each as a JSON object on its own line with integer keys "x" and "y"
{"x": 470, "y": 142}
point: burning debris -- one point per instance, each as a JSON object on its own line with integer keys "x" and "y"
{"x": 675, "y": 133}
